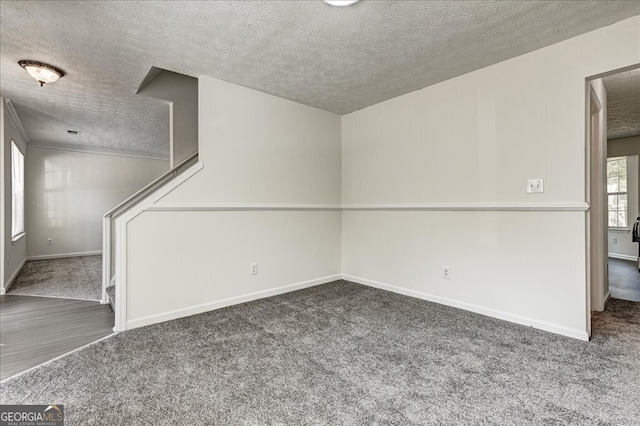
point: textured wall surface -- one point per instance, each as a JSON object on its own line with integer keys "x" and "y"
{"x": 337, "y": 59}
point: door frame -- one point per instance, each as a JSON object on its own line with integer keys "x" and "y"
{"x": 596, "y": 197}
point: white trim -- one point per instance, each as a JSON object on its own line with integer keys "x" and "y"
{"x": 5, "y": 288}
{"x": 479, "y": 206}
{"x": 63, "y": 255}
{"x": 623, "y": 256}
{"x": 606, "y": 299}
{"x": 15, "y": 120}
{"x": 120, "y": 275}
{"x": 161, "y": 192}
{"x": 106, "y": 258}
{"x": 569, "y": 332}
{"x": 209, "y": 306}
{"x": 472, "y": 206}
{"x": 245, "y": 207}
{"x": 96, "y": 150}
{"x": 625, "y": 230}
{"x": 58, "y": 357}
{"x": 121, "y": 244}
{"x": 17, "y": 237}
{"x": 171, "y": 154}
{"x": 594, "y": 98}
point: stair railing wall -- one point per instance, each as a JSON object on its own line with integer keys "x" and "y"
{"x": 109, "y": 236}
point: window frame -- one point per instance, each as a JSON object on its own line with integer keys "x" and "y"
{"x": 618, "y": 193}
{"x": 17, "y": 193}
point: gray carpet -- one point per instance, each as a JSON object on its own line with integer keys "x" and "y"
{"x": 624, "y": 280}
{"x": 342, "y": 353}
{"x": 72, "y": 277}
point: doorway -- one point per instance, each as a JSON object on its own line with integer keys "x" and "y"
{"x": 613, "y": 149}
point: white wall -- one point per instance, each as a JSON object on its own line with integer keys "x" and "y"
{"x": 14, "y": 252}
{"x": 436, "y": 177}
{"x": 69, "y": 192}
{"x": 204, "y": 262}
{"x": 624, "y": 247}
{"x": 274, "y": 166}
{"x": 258, "y": 148}
{"x": 471, "y": 143}
{"x": 182, "y": 93}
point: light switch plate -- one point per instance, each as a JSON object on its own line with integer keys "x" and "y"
{"x": 535, "y": 186}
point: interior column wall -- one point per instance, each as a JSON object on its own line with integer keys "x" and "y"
{"x": 269, "y": 193}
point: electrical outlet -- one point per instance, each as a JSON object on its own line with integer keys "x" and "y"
{"x": 614, "y": 240}
{"x": 446, "y": 272}
{"x": 253, "y": 269}
{"x": 535, "y": 186}
{"x": 50, "y": 242}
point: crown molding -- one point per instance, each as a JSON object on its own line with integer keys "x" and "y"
{"x": 15, "y": 120}
{"x": 96, "y": 150}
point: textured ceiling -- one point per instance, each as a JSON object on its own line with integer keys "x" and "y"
{"x": 623, "y": 104}
{"x": 337, "y": 59}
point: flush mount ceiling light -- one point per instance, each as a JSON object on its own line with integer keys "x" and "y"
{"x": 43, "y": 73}
{"x": 341, "y": 2}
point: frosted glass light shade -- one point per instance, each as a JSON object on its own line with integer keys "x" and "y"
{"x": 43, "y": 73}
{"x": 341, "y": 2}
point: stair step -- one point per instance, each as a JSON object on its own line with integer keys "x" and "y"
{"x": 111, "y": 293}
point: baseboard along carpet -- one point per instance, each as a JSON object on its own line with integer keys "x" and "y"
{"x": 71, "y": 277}
{"x": 342, "y": 353}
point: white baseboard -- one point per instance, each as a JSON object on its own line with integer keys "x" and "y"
{"x": 3, "y": 290}
{"x": 576, "y": 334}
{"x": 210, "y": 306}
{"x": 623, "y": 256}
{"x": 64, "y": 255}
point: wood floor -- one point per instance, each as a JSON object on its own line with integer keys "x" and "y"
{"x": 36, "y": 329}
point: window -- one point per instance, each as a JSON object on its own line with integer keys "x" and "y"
{"x": 617, "y": 192}
{"x": 17, "y": 192}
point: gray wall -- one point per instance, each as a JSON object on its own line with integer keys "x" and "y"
{"x": 14, "y": 252}
{"x": 623, "y": 147}
{"x": 182, "y": 92}
{"x": 68, "y": 193}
